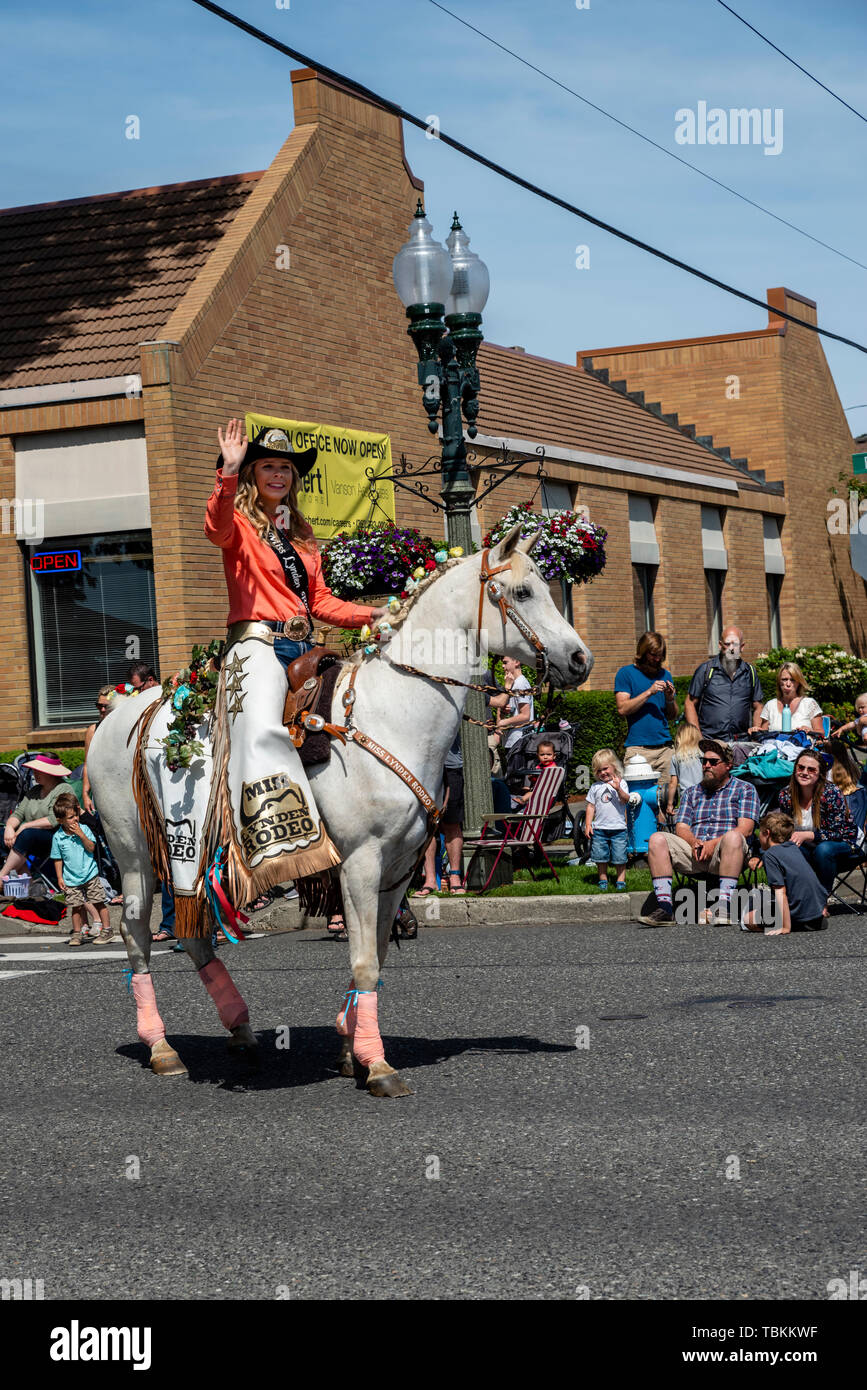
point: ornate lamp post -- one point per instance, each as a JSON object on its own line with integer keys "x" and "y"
{"x": 444, "y": 293}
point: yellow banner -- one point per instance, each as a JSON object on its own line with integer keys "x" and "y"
{"x": 336, "y": 493}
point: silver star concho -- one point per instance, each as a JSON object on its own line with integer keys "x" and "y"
{"x": 234, "y": 684}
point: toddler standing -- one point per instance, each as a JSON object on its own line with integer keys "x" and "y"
{"x": 77, "y": 871}
{"x": 605, "y": 818}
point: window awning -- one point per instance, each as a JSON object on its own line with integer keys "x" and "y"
{"x": 775, "y": 561}
{"x": 90, "y": 481}
{"x": 643, "y": 545}
{"x": 713, "y": 546}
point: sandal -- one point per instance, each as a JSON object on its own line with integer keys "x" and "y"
{"x": 163, "y": 935}
{"x": 460, "y": 891}
{"x": 264, "y": 900}
{"x": 336, "y": 928}
{"x": 424, "y": 892}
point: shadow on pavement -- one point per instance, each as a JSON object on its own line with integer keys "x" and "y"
{"x": 311, "y": 1057}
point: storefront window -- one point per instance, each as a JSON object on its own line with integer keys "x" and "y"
{"x": 93, "y": 611}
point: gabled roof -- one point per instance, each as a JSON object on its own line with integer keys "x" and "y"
{"x": 83, "y": 282}
{"x": 554, "y": 403}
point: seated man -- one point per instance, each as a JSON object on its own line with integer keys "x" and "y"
{"x": 714, "y": 820}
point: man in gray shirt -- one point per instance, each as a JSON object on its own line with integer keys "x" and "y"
{"x": 725, "y": 694}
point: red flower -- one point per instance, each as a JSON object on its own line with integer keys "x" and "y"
{"x": 430, "y": 564}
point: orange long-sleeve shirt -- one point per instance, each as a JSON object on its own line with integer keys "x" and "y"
{"x": 254, "y": 575}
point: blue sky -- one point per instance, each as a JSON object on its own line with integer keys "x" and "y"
{"x": 213, "y": 101}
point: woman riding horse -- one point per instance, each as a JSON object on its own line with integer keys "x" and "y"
{"x": 265, "y": 815}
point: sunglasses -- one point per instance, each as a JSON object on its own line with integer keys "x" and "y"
{"x": 710, "y": 762}
{"x": 99, "y": 706}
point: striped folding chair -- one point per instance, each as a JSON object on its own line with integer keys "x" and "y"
{"x": 523, "y": 829}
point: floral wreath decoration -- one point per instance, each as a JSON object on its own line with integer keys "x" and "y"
{"x": 193, "y": 694}
{"x": 373, "y": 637}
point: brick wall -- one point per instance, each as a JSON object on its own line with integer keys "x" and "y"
{"x": 770, "y": 397}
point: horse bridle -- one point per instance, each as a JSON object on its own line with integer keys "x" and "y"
{"x": 495, "y": 593}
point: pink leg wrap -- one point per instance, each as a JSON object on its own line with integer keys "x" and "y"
{"x": 346, "y": 1019}
{"x": 150, "y": 1026}
{"x": 367, "y": 1044}
{"x": 221, "y": 987}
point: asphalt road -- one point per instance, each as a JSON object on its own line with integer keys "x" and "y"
{"x": 708, "y": 1149}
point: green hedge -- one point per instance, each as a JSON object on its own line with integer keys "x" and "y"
{"x": 835, "y": 676}
{"x": 70, "y": 757}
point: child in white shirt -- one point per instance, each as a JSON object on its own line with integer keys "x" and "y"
{"x": 605, "y": 818}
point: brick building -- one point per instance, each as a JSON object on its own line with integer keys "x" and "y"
{"x": 137, "y": 322}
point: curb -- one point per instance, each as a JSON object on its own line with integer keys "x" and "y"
{"x": 578, "y": 909}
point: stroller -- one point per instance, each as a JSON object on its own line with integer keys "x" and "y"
{"x": 522, "y": 758}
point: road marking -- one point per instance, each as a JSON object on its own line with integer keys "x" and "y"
{"x": 58, "y": 940}
{"x": 77, "y": 953}
{"x": 15, "y": 974}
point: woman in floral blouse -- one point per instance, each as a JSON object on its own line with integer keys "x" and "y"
{"x": 824, "y": 828}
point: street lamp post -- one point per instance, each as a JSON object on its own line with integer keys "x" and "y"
{"x": 444, "y": 293}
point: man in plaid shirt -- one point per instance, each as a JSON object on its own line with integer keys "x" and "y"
{"x": 713, "y": 822}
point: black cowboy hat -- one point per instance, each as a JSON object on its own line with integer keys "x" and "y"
{"x": 265, "y": 445}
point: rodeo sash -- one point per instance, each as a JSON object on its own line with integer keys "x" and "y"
{"x": 263, "y": 810}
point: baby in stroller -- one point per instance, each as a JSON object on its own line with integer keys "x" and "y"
{"x": 540, "y": 748}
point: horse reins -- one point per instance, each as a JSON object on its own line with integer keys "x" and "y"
{"x": 349, "y": 733}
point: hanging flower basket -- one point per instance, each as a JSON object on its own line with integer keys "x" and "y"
{"x": 376, "y": 558}
{"x": 569, "y": 547}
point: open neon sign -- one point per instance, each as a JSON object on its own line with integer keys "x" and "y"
{"x": 55, "y": 561}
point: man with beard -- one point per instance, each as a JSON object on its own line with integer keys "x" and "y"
{"x": 714, "y": 821}
{"x": 725, "y": 694}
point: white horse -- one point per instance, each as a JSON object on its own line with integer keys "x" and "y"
{"x": 375, "y": 820}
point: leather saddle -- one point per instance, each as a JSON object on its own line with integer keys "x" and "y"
{"x": 312, "y": 678}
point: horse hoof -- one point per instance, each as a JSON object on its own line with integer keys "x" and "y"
{"x": 166, "y": 1062}
{"x": 388, "y": 1085}
{"x": 242, "y": 1043}
{"x": 346, "y": 1065}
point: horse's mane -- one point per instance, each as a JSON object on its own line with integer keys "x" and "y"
{"x": 408, "y": 604}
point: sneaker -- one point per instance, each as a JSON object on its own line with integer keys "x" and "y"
{"x": 661, "y": 916}
{"x": 106, "y": 936}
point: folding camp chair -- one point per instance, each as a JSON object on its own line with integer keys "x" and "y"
{"x": 523, "y": 833}
{"x": 844, "y": 879}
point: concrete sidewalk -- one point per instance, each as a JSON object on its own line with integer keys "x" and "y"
{"x": 580, "y": 909}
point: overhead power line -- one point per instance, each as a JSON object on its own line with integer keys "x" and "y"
{"x": 646, "y": 138}
{"x": 533, "y": 188}
{"x": 791, "y": 60}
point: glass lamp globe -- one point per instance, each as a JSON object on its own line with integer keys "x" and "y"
{"x": 471, "y": 283}
{"x": 422, "y": 269}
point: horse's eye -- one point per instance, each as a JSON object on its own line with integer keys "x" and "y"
{"x": 522, "y": 593}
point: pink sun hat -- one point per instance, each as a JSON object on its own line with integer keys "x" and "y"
{"x": 47, "y": 762}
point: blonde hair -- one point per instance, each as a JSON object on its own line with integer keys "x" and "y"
{"x": 794, "y": 670}
{"x": 606, "y": 757}
{"x": 247, "y": 502}
{"x": 862, "y": 696}
{"x": 686, "y": 740}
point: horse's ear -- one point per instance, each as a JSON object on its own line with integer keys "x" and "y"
{"x": 508, "y": 545}
{"x": 529, "y": 543}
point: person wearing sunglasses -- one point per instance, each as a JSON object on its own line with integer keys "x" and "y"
{"x": 714, "y": 822}
{"x": 104, "y": 701}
